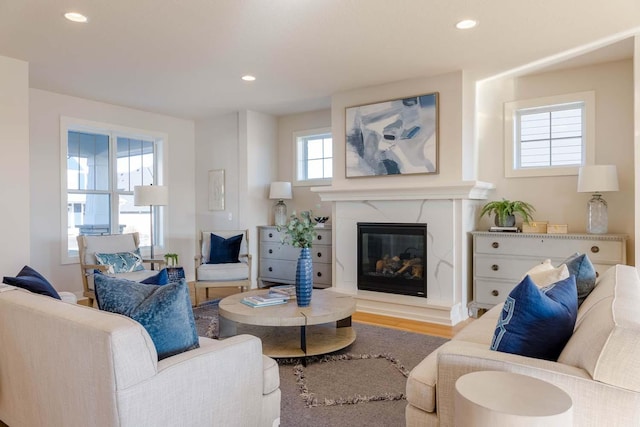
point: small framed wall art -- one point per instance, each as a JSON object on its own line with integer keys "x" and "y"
{"x": 216, "y": 190}
{"x": 396, "y": 137}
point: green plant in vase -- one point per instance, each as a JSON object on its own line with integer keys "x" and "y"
{"x": 299, "y": 232}
{"x": 506, "y": 210}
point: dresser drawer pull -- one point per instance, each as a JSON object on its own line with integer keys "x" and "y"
{"x": 319, "y": 254}
{"x": 270, "y": 251}
{"x": 495, "y": 245}
{"x": 319, "y": 274}
{"x": 495, "y": 293}
{"x": 495, "y": 267}
{"x": 271, "y": 269}
{"x": 270, "y": 235}
{"x": 319, "y": 237}
{"x": 595, "y": 249}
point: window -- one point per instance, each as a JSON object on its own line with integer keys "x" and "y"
{"x": 314, "y": 157}
{"x": 549, "y": 136}
{"x": 103, "y": 164}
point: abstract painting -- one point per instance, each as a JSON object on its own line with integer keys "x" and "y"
{"x": 396, "y": 137}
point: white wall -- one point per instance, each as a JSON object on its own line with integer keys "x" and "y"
{"x": 556, "y": 198}
{"x": 303, "y": 199}
{"x": 44, "y": 114}
{"x": 217, "y": 147}
{"x": 244, "y": 144}
{"x": 636, "y": 121}
{"x": 14, "y": 166}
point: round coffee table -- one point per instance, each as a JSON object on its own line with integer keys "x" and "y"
{"x": 287, "y": 330}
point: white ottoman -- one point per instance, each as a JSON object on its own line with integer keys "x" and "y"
{"x": 68, "y": 297}
{"x": 497, "y": 399}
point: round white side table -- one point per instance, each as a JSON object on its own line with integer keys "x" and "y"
{"x": 496, "y": 399}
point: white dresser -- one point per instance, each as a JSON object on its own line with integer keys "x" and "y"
{"x": 278, "y": 261}
{"x": 500, "y": 260}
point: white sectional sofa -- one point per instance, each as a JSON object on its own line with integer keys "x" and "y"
{"x": 69, "y": 365}
{"x": 599, "y": 367}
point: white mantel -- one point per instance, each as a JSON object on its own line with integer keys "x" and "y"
{"x": 450, "y": 212}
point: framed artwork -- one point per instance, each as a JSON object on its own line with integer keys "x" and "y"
{"x": 397, "y": 137}
{"x": 216, "y": 190}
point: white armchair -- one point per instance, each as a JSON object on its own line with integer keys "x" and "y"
{"x": 232, "y": 274}
{"x": 89, "y": 245}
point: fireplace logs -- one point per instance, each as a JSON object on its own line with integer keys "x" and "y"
{"x": 394, "y": 266}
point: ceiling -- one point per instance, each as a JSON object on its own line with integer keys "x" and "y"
{"x": 185, "y": 58}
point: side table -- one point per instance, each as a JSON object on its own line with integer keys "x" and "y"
{"x": 175, "y": 273}
{"x": 506, "y": 399}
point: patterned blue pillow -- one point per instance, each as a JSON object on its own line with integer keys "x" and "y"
{"x": 32, "y": 281}
{"x": 121, "y": 262}
{"x": 162, "y": 278}
{"x": 537, "y": 322}
{"x": 164, "y": 311}
{"x": 580, "y": 266}
{"x": 223, "y": 250}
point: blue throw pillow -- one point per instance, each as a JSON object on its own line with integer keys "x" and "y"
{"x": 580, "y": 266}
{"x": 121, "y": 262}
{"x": 224, "y": 251}
{"x": 164, "y": 311}
{"x": 33, "y": 281}
{"x": 162, "y": 278}
{"x": 537, "y": 322}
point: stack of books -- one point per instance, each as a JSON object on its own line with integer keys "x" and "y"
{"x": 264, "y": 300}
{"x": 287, "y": 290}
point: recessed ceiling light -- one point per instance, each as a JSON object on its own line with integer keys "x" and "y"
{"x": 465, "y": 24}
{"x": 248, "y": 78}
{"x": 76, "y": 17}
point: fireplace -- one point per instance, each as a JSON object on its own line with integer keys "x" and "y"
{"x": 392, "y": 258}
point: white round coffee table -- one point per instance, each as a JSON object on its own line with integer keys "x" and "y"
{"x": 287, "y": 330}
{"x": 506, "y": 399}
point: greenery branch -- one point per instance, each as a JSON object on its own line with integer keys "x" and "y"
{"x": 299, "y": 230}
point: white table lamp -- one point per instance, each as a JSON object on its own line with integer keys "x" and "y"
{"x": 597, "y": 179}
{"x": 280, "y": 191}
{"x": 151, "y": 195}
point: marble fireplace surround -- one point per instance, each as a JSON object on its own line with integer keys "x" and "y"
{"x": 450, "y": 212}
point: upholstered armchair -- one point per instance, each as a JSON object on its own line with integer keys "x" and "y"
{"x": 226, "y": 263}
{"x": 115, "y": 255}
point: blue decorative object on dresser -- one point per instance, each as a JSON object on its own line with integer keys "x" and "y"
{"x": 304, "y": 278}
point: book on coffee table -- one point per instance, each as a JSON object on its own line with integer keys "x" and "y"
{"x": 264, "y": 300}
{"x": 286, "y": 290}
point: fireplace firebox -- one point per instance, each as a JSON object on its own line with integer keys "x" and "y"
{"x": 392, "y": 258}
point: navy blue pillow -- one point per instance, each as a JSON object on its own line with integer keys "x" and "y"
{"x": 224, "y": 251}
{"x": 33, "y": 281}
{"x": 537, "y": 322}
{"x": 580, "y": 266}
{"x": 162, "y": 278}
{"x": 164, "y": 311}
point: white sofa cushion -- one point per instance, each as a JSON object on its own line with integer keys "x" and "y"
{"x": 605, "y": 341}
{"x": 223, "y": 272}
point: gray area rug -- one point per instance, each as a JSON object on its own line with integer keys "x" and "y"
{"x": 361, "y": 385}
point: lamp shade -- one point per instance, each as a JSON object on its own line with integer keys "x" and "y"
{"x": 148, "y": 195}
{"x": 597, "y": 179}
{"x": 280, "y": 190}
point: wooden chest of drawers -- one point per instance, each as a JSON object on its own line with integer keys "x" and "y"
{"x": 500, "y": 260}
{"x": 277, "y": 261}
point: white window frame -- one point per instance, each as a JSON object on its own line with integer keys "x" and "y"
{"x": 114, "y": 131}
{"x": 308, "y": 182}
{"x": 510, "y": 137}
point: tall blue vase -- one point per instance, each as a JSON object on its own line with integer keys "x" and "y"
{"x": 304, "y": 278}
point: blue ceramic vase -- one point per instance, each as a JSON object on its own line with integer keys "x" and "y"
{"x": 304, "y": 278}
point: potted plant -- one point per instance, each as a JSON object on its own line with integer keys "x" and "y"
{"x": 506, "y": 210}
{"x": 300, "y": 232}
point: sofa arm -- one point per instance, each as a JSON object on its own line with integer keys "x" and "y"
{"x": 220, "y": 383}
{"x": 594, "y": 403}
